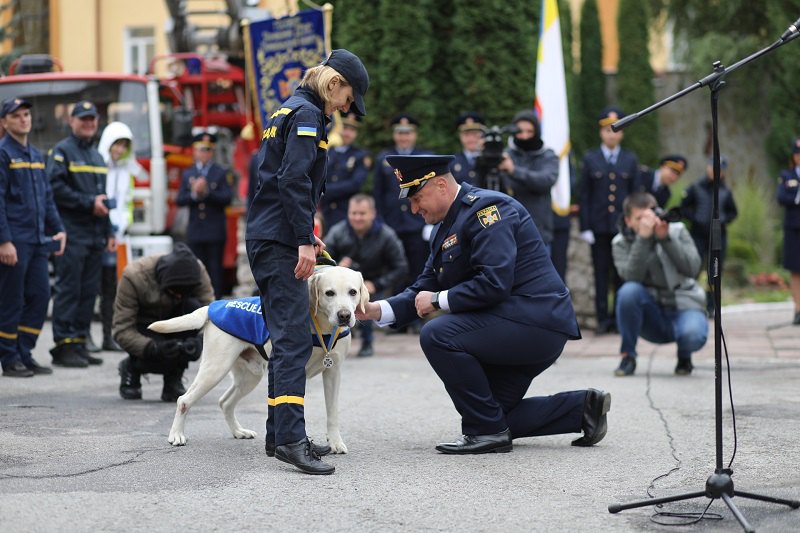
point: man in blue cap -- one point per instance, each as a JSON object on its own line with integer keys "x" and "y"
{"x": 506, "y": 313}
{"x": 657, "y": 181}
{"x": 610, "y": 173}
{"x": 30, "y": 228}
{"x": 77, "y": 174}
{"x": 470, "y": 134}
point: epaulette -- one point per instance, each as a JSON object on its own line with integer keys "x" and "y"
{"x": 470, "y": 198}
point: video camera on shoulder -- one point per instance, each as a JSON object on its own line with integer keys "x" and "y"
{"x": 492, "y": 155}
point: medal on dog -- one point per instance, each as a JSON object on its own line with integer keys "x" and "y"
{"x": 327, "y": 362}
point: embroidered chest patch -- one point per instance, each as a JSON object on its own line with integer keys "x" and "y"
{"x": 450, "y": 241}
{"x": 488, "y": 216}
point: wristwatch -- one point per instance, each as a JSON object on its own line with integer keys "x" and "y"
{"x": 435, "y": 301}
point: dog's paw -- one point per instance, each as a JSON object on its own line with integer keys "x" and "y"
{"x": 177, "y": 439}
{"x": 337, "y": 446}
{"x": 244, "y": 434}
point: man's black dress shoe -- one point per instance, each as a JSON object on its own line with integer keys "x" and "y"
{"x": 595, "y": 424}
{"x": 467, "y": 444}
{"x": 320, "y": 449}
{"x": 301, "y": 454}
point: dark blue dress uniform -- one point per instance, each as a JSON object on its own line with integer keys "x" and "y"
{"x": 208, "y": 224}
{"x": 647, "y": 178}
{"x": 397, "y": 213}
{"x": 77, "y": 175}
{"x": 463, "y": 165}
{"x": 347, "y": 172}
{"x": 604, "y": 186}
{"x": 789, "y": 197}
{"x": 280, "y": 219}
{"x": 28, "y": 218}
{"x": 510, "y": 316}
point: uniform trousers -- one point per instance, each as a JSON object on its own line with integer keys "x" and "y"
{"x": 284, "y": 304}
{"x": 75, "y": 291}
{"x": 211, "y": 254}
{"x": 487, "y": 364}
{"x": 604, "y": 269}
{"x": 26, "y": 292}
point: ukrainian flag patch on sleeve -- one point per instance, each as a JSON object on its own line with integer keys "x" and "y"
{"x": 306, "y": 129}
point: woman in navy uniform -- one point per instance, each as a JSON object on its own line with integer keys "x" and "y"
{"x": 206, "y": 190}
{"x": 508, "y": 316}
{"x": 281, "y": 245}
{"x": 789, "y": 197}
{"x": 610, "y": 174}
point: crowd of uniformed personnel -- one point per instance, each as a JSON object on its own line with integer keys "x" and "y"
{"x": 68, "y": 187}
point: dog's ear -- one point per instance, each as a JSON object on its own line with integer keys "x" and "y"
{"x": 364, "y": 300}
{"x": 313, "y": 293}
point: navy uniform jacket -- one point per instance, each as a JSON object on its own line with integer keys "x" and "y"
{"x": 393, "y": 210}
{"x": 77, "y": 174}
{"x": 207, "y": 222}
{"x": 604, "y": 187}
{"x": 489, "y": 256}
{"x": 662, "y": 193}
{"x": 28, "y": 212}
{"x": 696, "y": 205}
{"x": 292, "y": 172}
{"x": 462, "y": 169}
{"x": 347, "y": 172}
{"x": 789, "y": 197}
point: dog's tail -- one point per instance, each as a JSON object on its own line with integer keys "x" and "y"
{"x": 194, "y": 320}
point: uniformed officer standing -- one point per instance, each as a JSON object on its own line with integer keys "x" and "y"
{"x": 348, "y": 166}
{"x": 77, "y": 175}
{"x": 508, "y": 314}
{"x": 29, "y": 225}
{"x": 469, "y": 125}
{"x": 282, "y": 247}
{"x": 206, "y": 190}
{"x": 396, "y": 212}
{"x": 658, "y": 181}
{"x": 610, "y": 173}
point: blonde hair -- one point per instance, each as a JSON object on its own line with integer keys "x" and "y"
{"x": 319, "y": 78}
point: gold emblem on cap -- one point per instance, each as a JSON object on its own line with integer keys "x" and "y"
{"x": 398, "y": 175}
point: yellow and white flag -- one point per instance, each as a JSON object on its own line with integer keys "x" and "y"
{"x": 551, "y": 101}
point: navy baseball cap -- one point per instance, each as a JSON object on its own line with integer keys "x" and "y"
{"x": 12, "y": 104}
{"x": 84, "y": 108}
{"x": 412, "y": 171}
{"x": 350, "y": 66}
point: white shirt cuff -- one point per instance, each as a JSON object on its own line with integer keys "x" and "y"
{"x": 387, "y": 314}
{"x": 443, "y": 301}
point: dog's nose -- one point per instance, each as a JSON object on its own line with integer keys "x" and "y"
{"x": 344, "y": 317}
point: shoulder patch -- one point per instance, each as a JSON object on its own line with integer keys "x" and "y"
{"x": 488, "y": 216}
{"x": 306, "y": 129}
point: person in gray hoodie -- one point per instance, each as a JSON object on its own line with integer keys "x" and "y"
{"x": 660, "y": 300}
{"x": 529, "y": 170}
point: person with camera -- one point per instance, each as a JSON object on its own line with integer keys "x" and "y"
{"x": 77, "y": 175}
{"x": 30, "y": 229}
{"x": 789, "y": 197}
{"x": 506, "y": 314}
{"x": 470, "y": 134}
{"x": 657, "y": 181}
{"x": 660, "y": 300}
{"x": 529, "y": 170}
{"x": 610, "y": 173}
{"x": 158, "y": 287}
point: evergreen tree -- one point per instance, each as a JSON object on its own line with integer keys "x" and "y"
{"x": 591, "y": 93}
{"x": 635, "y": 89}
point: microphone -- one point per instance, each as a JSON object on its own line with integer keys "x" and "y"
{"x": 791, "y": 30}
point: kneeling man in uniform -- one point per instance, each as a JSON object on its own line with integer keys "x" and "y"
{"x": 507, "y": 314}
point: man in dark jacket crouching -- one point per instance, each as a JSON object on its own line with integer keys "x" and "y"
{"x": 154, "y": 288}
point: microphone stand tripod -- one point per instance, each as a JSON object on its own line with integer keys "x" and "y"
{"x": 719, "y": 484}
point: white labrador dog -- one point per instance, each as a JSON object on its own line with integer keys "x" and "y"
{"x": 334, "y": 293}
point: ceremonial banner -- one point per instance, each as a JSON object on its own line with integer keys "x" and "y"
{"x": 551, "y": 101}
{"x": 278, "y": 53}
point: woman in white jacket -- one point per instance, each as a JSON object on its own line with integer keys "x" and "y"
{"x": 116, "y": 147}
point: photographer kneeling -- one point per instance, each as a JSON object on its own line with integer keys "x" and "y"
{"x": 660, "y": 299}
{"x": 152, "y": 288}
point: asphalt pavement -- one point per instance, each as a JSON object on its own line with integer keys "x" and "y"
{"x": 76, "y": 457}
